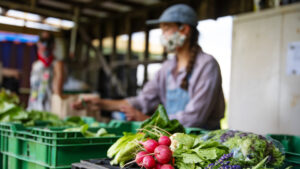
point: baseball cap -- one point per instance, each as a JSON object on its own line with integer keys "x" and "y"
{"x": 179, "y": 13}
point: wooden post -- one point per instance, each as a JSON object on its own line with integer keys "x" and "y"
{"x": 101, "y": 35}
{"x": 113, "y": 56}
{"x": 114, "y": 42}
{"x": 129, "y": 49}
{"x": 165, "y": 54}
{"x": 32, "y": 4}
{"x": 128, "y": 55}
{"x": 74, "y": 32}
{"x": 146, "y": 55}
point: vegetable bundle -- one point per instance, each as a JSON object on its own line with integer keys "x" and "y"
{"x": 126, "y": 148}
{"x": 225, "y": 148}
{"x": 249, "y": 149}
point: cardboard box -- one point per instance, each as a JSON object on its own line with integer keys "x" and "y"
{"x": 62, "y": 106}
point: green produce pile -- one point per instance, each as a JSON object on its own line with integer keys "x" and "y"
{"x": 213, "y": 150}
{"x": 10, "y": 111}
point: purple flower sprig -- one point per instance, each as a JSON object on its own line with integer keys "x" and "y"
{"x": 223, "y": 163}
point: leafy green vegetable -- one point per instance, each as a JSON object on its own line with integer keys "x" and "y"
{"x": 8, "y": 97}
{"x": 209, "y": 153}
{"x": 84, "y": 130}
{"x": 161, "y": 120}
{"x": 76, "y": 120}
{"x": 261, "y": 164}
{"x": 101, "y": 132}
{"x": 181, "y": 165}
{"x": 119, "y": 144}
{"x": 81, "y": 129}
{"x": 125, "y": 148}
{"x": 191, "y": 158}
{"x": 190, "y": 150}
{"x": 181, "y": 141}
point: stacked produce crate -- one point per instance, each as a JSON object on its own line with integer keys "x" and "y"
{"x": 291, "y": 145}
{"x": 43, "y": 148}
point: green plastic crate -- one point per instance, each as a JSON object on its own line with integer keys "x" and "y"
{"x": 50, "y": 148}
{"x": 1, "y": 157}
{"x": 16, "y": 162}
{"x": 91, "y": 121}
{"x": 36, "y": 123}
{"x": 291, "y": 146}
{"x": 133, "y": 126}
{"x": 125, "y": 126}
{"x": 13, "y": 162}
{"x": 196, "y": 131}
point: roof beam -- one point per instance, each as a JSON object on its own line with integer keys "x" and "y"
{"x": 26, "y": 30}
{"x": 32, "y": 4}
{"x": 130, "y": 3}
{"x": 41, "y": 11}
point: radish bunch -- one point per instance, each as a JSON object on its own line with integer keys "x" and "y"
{"x": 157, "y": 155}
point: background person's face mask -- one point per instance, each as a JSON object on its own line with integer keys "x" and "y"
{"x": 172, "y": 42}
{"x": 45, "y": 54}
{"x": 47, "y": 49}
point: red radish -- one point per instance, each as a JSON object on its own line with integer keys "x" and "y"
{"x": 149, "y": 162}
{"x": 163, "y": 154}
{"x": 167, "y": 166}
{"x": 164, "y": 140}
{"x": 139, "y": 157}
{"x": 158, "y": 166}
{"x": 150, "y": 145}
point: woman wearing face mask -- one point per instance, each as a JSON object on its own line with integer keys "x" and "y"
{"x": 189, "y": 86}
{"x": 46, "y": 74}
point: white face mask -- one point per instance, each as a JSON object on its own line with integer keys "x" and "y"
{"x": 172, "y": 42}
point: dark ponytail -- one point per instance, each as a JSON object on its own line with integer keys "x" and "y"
{"x": 194, "y": 49}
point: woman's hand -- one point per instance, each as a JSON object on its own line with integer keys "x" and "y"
{"x": 90, "y": 103}
{"x": 133, "y": 114}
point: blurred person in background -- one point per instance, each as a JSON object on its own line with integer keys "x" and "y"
{"x": 189, "y": 86}
{"x": 47, "y": 74}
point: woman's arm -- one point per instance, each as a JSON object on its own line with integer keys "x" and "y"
{"x": 112, "y": 105}
{"x": 95, "y": 103}
{"x": 134, "y": 107}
